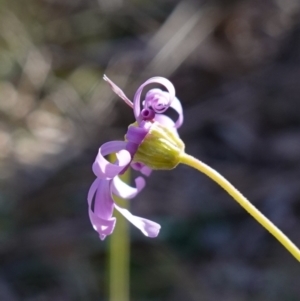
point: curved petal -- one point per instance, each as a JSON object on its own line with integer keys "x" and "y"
{"x": 102, "y": 226}
{"x": 100, "y": 212}
{"x": 106, "y": 170}
{"x": 92, "y": 191}
{"x": 136, "y": 134}
{"x": 103, "y": 205}
{"x": 164, "y": 120}
{"x": 157, "y": 100}
{"x": 124, "y": 191}
{"x": 176, "y": 106}
{"x": 137, "y": 97}
{"x": 148, "y": 228}
{"x": 142, "y": 168}
{"x": 145, "y": 170}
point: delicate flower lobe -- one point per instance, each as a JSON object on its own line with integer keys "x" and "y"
{"x": 124, "y": 191}
{"x": 159, "y": 104}
{"x": 149, "y": 228}
{"x": 103, "y": 168}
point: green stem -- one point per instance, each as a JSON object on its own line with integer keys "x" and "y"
{"x": 266, "y": 223}
{"x": 119, "y": 254}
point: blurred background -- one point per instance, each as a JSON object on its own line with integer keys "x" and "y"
{"x": 236, "y": 68}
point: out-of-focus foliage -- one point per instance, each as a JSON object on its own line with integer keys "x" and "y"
{"x": 236, "y": 68}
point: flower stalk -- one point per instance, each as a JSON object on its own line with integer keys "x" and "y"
{"x": 238, "y": 197}
{"x": 119, "y": 253}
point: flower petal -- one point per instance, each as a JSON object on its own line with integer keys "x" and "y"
{"x": 145, "y": 170}
{"x": 136, "y": 134}
{"x": 124, "y": 191}
{"x": 92, "y": 191}
{"x": 137, "y": 97}
{"x": 176, "y": 106}
{"x": 103, "y": 205}
{"x": 102, "y": 226}
{"x": 142, "y": 168}
{"x": 148, "y": 228}
{"x": 106, "y": 170}
{"x": 157, "y": 100}
{"x": 164, "y": 120}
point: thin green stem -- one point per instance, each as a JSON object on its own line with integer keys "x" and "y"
{"x": 266, "y": 223}
{"x": 119, "y": 254}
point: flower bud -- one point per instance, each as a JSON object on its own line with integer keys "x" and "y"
{"x": 160, "y": 149}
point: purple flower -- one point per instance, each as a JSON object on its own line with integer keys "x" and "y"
{"x": 107, "y": 184}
